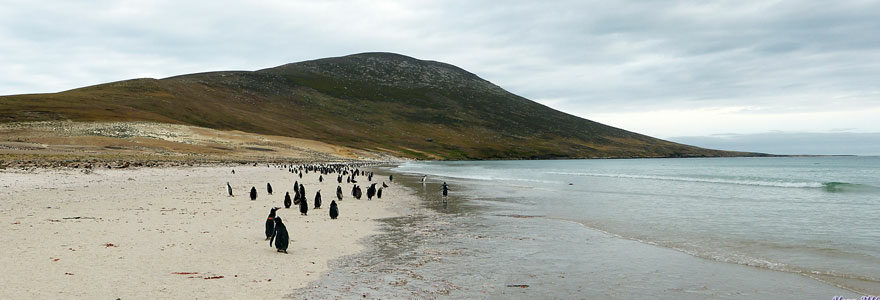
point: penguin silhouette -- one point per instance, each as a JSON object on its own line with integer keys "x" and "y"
{"x": 390, "y": 178}
{"x": 303, "y": 206}
{"x": 296, "y": 197}
{"x": 233, "y": 171}
{"x": 339, "y": 193}
{"x": 296, "y": 186}
{"x": 371, "y": 191}
{"x": 280, "y": 236}
{"x": 334, "y": 210}
{"x": 229, "y": 189}
{"x": 320, "y": 178}
{"x": 253, "y": 193}
{"x": 287, "y": 200}
{"x": 270, "y": 223}
{"x": 339, "y": 179}
{"x": 379, "y": 193}
{"x": 269, "y": 188}
{"x": 357, "y": 192}
{"x": 384, "y": 185}
{"x": 318, "y": 200}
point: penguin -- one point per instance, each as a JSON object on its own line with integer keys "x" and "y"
{"x": 371, "y": 191}
{"x": 318, "y": 200}
{"x": 370, "y": 177}
{"x": 302, "y": 192}
{"x": 347, "y": 180}
{"x": 445, "y": 189}
{"x": 390, "y": 178}
{"x": 229, "y": 189}
{"x": 384, "y": 185}
{"x": 357, "y": 192}
{"x": 339, "y": 179}
{"x": 334, "y": 210}
{"x": 424, "y": 179}
{"x": 320, "y": 178}
{"x": 233, "y": 171}
{"x": 300, "y": 175}
{"x": 354, "y": 190}
{"x": 296, "y": 186}
{"x": 269, "y": 188}
{"x": 379, "y": 193}
{"x": 339, "y": 193}
{"x": 280, "y": 236}
{"x": 287, "y": 200}
{"x": 253, "y": 193}
{"x": 296, "y": 197}
{"x": 303, "y": 206}
{"x": 270, "y": 223}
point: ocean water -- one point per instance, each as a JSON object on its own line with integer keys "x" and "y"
{"x": 734, "y": 228}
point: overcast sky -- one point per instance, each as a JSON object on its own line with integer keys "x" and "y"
{"x": 663, "y": 68}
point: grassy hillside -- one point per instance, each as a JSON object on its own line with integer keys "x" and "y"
{"x": 372, "y": 101}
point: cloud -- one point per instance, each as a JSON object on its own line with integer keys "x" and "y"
{"x": 623, "y": 58}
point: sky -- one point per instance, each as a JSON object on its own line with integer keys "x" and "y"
{"x": 705, "y": 72}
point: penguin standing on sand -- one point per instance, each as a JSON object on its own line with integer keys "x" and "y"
{"x": 379, "y": 193}
{"x": 334, "y": 210}
{"x": 229, "y": 189}
{"x": 339, "y": 179}
{"x": 318, "y": 200}
{"x": 339, "y": 193}
{"x": 296, "y": 186}
{"x": 280, "y": 236}
{"x": 296, "y": 197}
{"x": 253, "y": 193}
{"x": 390, "y": 178}
{"x": 303, "y": 206}
{"x": 233, "y": 171}
{"x": 371, "y": 191}
{"x": 269, "y": 188}
{"x": 384, "y": 185}
{"x": 270, "y": 223}
{"x": 320, "y": 178}
{"x": 287, "y": 200}
{"x": 302, "y": 192}
{"x": 358, "y": 192}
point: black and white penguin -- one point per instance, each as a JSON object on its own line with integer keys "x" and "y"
{"x": 339, "y": 179}
{"x": 281, "y": 239}
{"x": 379, "y": 193}
{"x": 445, "y": 189}
{"x": 357, "y": 192}
{"x": 320, "y": 178}
{"x": 334, "y": 210}
{"x": 300, "y": 175}
{"x": 229, "y": 189}
{"x": 233, "y": 171}
{"x": 303, "y": 206}
{"x": 296, "y": 186}
{"x": 287, "y": 200}
{"x": 370, "y": 177}
{"x": 318, "y": 200}
{"x": 339, "y": 193}
{"x": 384, "y": 185}
{"x": 253, "y": 193}
{"x": 270, "y": 223}
{"x": 296, "y": 197}
{"x": 371, "y": 191}
{"x": 269, "y": 188}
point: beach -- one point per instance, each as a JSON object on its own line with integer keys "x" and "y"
{"x": 173, "y": 233}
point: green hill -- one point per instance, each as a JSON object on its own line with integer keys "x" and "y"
{"x": 373, "y": 101}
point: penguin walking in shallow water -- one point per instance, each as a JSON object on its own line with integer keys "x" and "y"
{"x": 424, "y": 179}
{"x": 270, "y": 223}
{"x": 379, "y": 193}
{"x": 445, "y": 188}
{"x": 269, "y": 188}
{"x": 287, "y": 200}
{"x": 229, "y": 189}
{"x": 318, "y": 200}
{"x": 334, "y": 210}
{"x": 253, "y": 193}
{"x": 303, "y": 206}
{"x": 280, "y": 237}
{"x": 339, "y": 193}
{"x": 371, "y": 191}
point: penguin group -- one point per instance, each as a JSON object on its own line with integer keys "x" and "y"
{"x": 275, "y": 230}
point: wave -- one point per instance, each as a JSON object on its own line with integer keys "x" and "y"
{"x": 827, "y": 186}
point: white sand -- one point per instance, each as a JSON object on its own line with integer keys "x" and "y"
{"x": 162, "y": 221}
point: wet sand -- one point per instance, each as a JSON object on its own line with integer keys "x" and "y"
{"x": 172, "y": 232}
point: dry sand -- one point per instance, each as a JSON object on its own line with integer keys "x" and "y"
{"x": 138, "y": 227}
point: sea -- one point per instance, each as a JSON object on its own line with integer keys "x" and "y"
{"x": 685, "y": 228}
